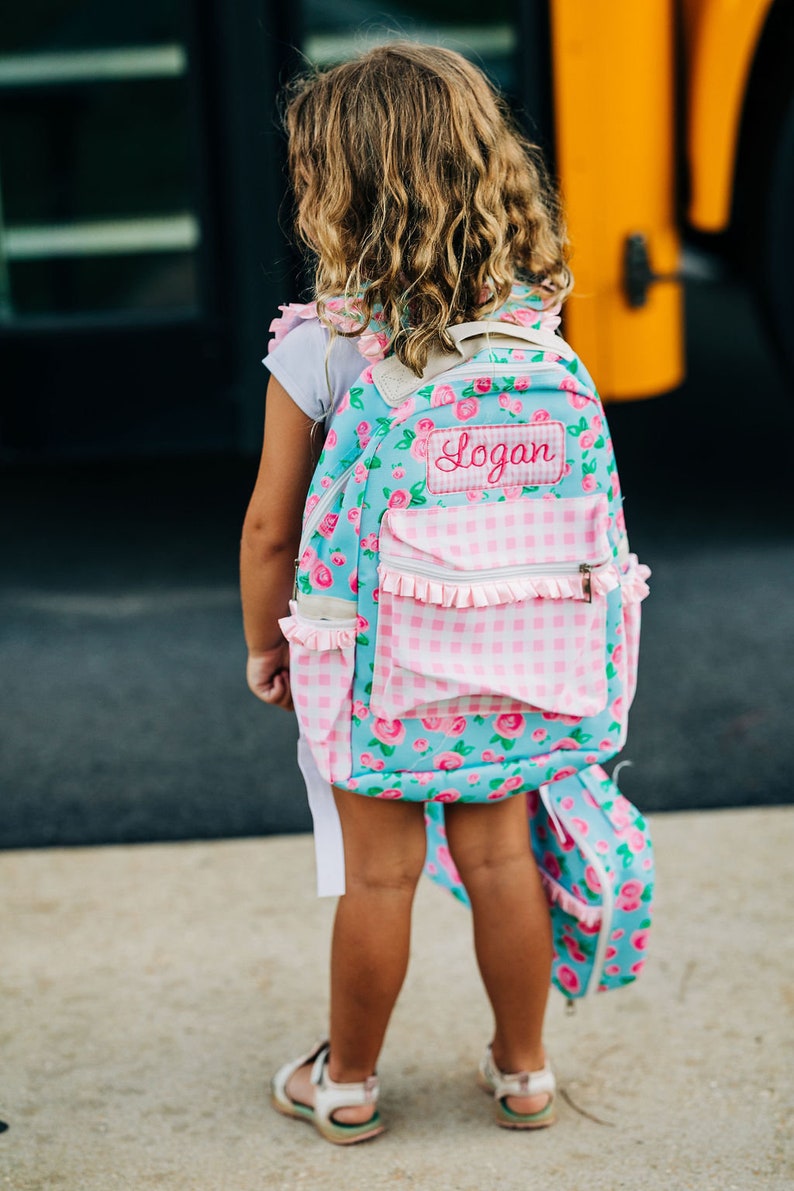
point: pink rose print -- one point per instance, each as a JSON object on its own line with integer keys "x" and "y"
{"x": 629, "y": 895}
{"x": 442, "y": 395}
{"x": 509, "y": 726}
{"x": 567, "y": 384}
{"x": 308, "y": 557}
{"x": 468, "y": 408}
{"x": 639, "y": 940}
{"x": 512, "y": 783}
{"x": 637, "y": 967}
{"x": 359, "y": 473}
{"x": 565, "y": 742}
{"x": 433, "y": 723}
{"x": 448, "y": 865}
{"x": 516, "y": 406}
{"x": 311, "y": 503}
{"x": 455, "y": 726}
{"x": 325, "y": 482}
{"x": 482, "y": 384}
{"x": 321, "y": 576}
{"x": 366, "y": 376}
{"x": 573, "y": 950}
{"x": 567, "y": 803}
{"x": 398, "y": 473}
{"x": 370, "y": 542}
{"x": 473, "y": 779}
{"x": 618, "y": 934}
{"x": 636, "y": 840}
{"x": 364, "y": 432}
{"x": 404, "y": 411}
{"x": 495, "y": 795}
{"x": 390, "y": 793}
{"x": 490, "y": 755}
{"x": 617, "y": 654}
{"x": 539, "y": 734}
{"x": 389, "y": 731}
{"x": 589, "y": 483}
{"x": 541, "y": 415}
{"x": 610, "y": 953}
{"x": 418, "y": 448}
{"x": 586, "y": 440}
{"x": 360, "y": 710}
{"x": 423, "y": 779}
{"x": 521, "y": 383}
{"x": 328, "y": 524}
{"x": 592, "y": 928}
{"x": 448, "y": 761}
{"x": 338, "y": 559}
{"x": 551, "y": 865}
{"x": 421, "y": 743}
{"x": 447, "y": 796}
{"x": 331, "y": 439}
{"x": 354, "y": 516}
{"x": 424, "y": 427}
{"x": 352, "y": 582}
{"x": 362, "y": 624}
{"x": 591, "y": 879}
{"x": 616, "y": 710}
{"x": 606, "y": 743}
{"x": 602, "y": 846}
{"x": 473, "y": 495}
{"x": 615, "y": 482}
{"x": 580, "y": 825}
{"x": 519, "y": 355}
{"x": 612, "y": 969}
{"x": 399, "y": 499}
{"x": 504, "y": 401}
{"x": 575, "y": 399}
{"x": 370, "y": 762}
{"x": 568, "y": 978}
{"x": 566, "y": 771}
{"x": 513, "y": 492}
{"x": 620, "y": 521}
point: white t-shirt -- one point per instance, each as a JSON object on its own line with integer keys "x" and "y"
{"x": 299, "y": 364}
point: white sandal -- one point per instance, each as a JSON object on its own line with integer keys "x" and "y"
{"x": 328, "y": 1097}
{"x": 520, "y": 1083}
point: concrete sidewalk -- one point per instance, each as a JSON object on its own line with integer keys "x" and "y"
{"x": 148, "y": 992}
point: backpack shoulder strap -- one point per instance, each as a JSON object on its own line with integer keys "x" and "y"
{"x": 396, "y": 382}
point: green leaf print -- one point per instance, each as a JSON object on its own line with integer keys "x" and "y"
{"x": 386, "y": 749}
{"x": 375, "y": 463}
{"x": 405, "y": 442}
{"x": 573, "y": 365}
{"x": 355, "y": 398}
{"x": 362, "y": 639}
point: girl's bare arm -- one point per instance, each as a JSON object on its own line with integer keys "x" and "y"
{"x": 270, "y": 541}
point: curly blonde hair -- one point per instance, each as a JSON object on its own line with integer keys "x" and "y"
{"x": 417, "y": 196}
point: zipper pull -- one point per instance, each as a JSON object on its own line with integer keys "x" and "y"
{"x": 587, "y": 584}
{"x": 295, "y": 580}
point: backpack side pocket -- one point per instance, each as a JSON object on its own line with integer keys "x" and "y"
{"x": 322, "y": 660}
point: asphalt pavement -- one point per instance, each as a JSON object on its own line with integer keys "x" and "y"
{"x": 124, "y": 708}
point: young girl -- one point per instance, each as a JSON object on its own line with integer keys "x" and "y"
{"x": 422, "y": 208}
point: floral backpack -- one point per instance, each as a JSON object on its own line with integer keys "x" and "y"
{"x": 466, "y": 614}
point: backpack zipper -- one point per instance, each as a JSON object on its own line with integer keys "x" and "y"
{"x": 607, "y": 895}
{"x": 448, "y": 574}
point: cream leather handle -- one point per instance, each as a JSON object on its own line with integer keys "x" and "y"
{"x": 395, "y": 382}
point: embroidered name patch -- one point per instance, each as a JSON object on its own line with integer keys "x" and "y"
{"x": 460, "y": 459}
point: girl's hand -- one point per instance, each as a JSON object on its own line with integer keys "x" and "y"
{"x": 267, "y": 674}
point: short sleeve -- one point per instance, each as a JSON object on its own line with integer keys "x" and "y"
{"x": 298, "y": 363}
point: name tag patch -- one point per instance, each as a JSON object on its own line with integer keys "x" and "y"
{"x": 473, "y": 457}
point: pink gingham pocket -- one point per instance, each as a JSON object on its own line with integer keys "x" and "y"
{"x": 322, "y": 660}
{"x": 463, "y": 625}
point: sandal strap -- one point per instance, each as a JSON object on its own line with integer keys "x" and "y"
{"x": 329, "y": 1096}
{"x": 518, "y": 1083}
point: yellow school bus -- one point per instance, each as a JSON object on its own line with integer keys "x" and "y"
{"x": 669, "y": 118}
{"x": 142, "y": 190}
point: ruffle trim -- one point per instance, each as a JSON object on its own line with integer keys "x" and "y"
{"x": 316, "y": 634}
{"x": 491, "y": 595}
{"x": 558, "y": 895}
{"x": 633, "y": 582}
{"x": 525, "y": 310}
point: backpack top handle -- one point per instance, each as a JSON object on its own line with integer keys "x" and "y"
{"x": 396, "y": 382}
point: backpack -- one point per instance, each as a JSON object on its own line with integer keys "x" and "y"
{"x": 466, "y": 614}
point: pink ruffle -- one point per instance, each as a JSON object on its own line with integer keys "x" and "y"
{"x": 491, "y": 595}
{"x": 373, "y": 345}
{"x": 557, "y": 894}
{"x": 633, "y": 585}
{"x": 314, "y": 635}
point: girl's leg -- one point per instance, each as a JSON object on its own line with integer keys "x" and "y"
{"x": 490, "y": 845}
{"x": 384, "y": 855}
